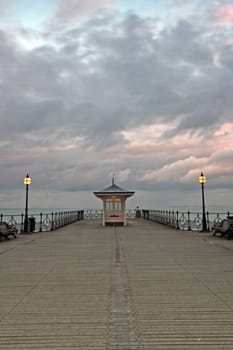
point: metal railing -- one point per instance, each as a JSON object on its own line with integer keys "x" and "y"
{"x": 43, "y": 221}
{"x": 91, "y": 214}
{"x": 183, "y": 220}
{"x": 38, "y": 222}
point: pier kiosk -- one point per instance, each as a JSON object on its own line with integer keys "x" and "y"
{"x": 114, "y": 204}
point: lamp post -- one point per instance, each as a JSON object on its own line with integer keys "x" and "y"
{"x": 27, "y": 181}
{"x": 202, "y": 181}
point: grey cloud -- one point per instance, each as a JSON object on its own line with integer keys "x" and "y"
{"x": 132, "y": 74}
{"x": 184, "y": 44}
{"x": 70, "y": 12}
{"x": 98, "y": 80}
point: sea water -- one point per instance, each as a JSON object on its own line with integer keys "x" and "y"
{"x": 215, "y": 209}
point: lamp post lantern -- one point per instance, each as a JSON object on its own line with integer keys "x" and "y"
{"x": 27, "y": 181}
{"x": 202, "y": 181}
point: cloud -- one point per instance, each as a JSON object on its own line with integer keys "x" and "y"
{"x": 70, "y": 12}
{"x": 111, "y": 96}
{"x": 224, "y": 14}
{"x": 5, "y": 8}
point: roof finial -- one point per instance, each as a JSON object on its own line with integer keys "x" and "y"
{"x": 113, "y": 179}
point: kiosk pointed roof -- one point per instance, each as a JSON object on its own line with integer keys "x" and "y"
{"x": 114, "y": 189}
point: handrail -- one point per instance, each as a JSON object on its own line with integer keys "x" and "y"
{"x": 183, "y": 220}
{"x": 43, "y": 221}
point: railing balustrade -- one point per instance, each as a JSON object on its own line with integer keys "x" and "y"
{"x": 183, "y": 220}
{"x": 38, "y": 222}
{"x": 43, "y": 221}
{"x": 91, "y": 214}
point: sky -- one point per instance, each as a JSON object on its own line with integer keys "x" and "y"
{"x": 142, "y": 89}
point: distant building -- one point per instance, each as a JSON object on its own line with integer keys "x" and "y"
{"x": 114, "y": 204}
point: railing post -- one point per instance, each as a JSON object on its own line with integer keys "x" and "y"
{"x": 52, "y": 222}
{"x": 62, "y": 218}
{"x": 41, "y": 222}
{"x": 208, "y": 221}
{"x": 22, "y": 222}
{"x": 55, "y": 221}
{"x": 189, "y": 226}
{"x": 59, "y": 219}
{"x": 177, "y": 220}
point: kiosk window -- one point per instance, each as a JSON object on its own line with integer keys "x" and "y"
{"x": 113, "y": 205}
{"x": 117, "y": 204}
{"x": 109, "y": 205}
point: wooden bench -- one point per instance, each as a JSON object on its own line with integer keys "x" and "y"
{"x": 225, "y": 227}
{"x": 7, "y": 230}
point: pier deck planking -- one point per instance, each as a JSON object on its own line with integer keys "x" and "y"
{"x": 143, "y": 286}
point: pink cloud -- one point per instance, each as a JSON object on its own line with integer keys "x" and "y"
{"x": 185, "y": 155}
{"x": 224, "y": 130}
{"x": 224, "y": 15}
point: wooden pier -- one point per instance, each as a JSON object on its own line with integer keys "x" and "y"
{"x": 144, "y": 286}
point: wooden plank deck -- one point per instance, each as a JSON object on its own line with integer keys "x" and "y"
{"x": 144, "y": 286}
